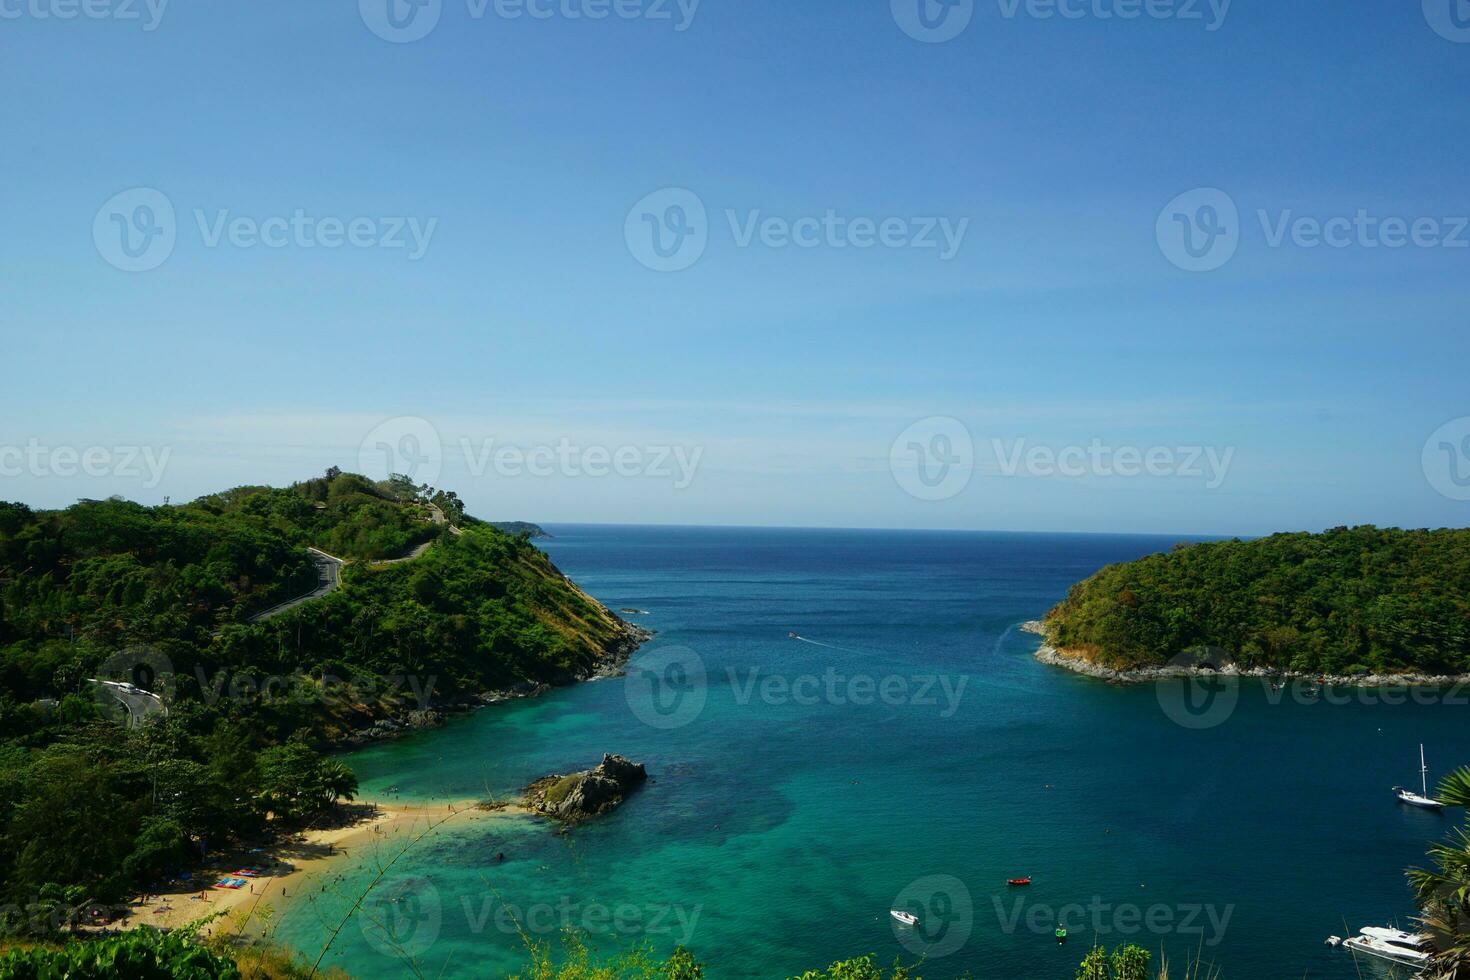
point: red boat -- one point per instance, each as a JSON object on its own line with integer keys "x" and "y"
{"x": 1018, "y": 881}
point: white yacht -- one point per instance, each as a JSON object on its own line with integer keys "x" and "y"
{"x": 1393, "y": 945}
{"x": 1422, "y": 799}
{"x": 906, "y": 918}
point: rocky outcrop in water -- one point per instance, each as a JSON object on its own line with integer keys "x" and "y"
{"x": 583, "y": 795}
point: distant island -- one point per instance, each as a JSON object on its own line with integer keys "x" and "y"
{"x": 520, "y": 528}
{"x": 1355, "y": 602}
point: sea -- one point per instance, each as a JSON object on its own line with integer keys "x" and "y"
{"x": 841, "y": 723}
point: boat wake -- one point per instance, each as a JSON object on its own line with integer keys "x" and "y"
{"x": 831, "y": 646}
{"x": 1001, "y": 639}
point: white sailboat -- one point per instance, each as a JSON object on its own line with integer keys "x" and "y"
{"x": 1422, "y": 799}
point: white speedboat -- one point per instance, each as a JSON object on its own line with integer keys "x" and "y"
{"x": 1393, "y": 945}
{"x": 1422, "y": 799}
{"x": 904, "y": 917}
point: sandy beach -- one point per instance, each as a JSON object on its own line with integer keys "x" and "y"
{"x": 295, "y": 866}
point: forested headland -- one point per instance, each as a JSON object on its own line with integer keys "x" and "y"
{"x": 226, "y": 736}
{"x": 1361, "y": 600}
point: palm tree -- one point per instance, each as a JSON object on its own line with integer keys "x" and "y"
{"x": 1444, "y": 893}
{"x": 336, "y": 782}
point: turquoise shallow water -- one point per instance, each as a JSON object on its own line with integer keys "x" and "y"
{"x": 912, "y": 754}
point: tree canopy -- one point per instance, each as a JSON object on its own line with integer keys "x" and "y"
{"x": 168, "y": 599}
{"x": 1350, "y": 600}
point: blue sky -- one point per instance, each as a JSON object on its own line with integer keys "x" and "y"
{"x": 522, "y": 145}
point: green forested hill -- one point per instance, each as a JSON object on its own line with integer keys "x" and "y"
{"x": 250, "y": 703}
{"x": 1350, "y": 600}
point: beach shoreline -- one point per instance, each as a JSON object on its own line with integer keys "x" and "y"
{"x": 299, "y": 865}
{"x": 1078, "y": 664}
{"x": 300, "y": 858}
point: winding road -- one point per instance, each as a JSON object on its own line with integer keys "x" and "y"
{"x": 140, "y": 703}
{"x": 329, "y": 570}
{"x": 437, "y": 516}
{"x": 417, "y": 552}
{"x": 328, "y": 580}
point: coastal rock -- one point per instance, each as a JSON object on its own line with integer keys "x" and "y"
{"x": 583, "y": 795}
{"x": 392, "y": 727}
{"x": 611, "y": 664}
{"x": 1223, "y": 667}
{"x": 424, "y": 718}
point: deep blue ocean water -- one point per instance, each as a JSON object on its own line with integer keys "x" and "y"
{"x": 908, "y": 752}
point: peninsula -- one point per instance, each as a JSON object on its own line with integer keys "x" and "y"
{"x": 174, "y": 677}
{"x": 1359, "y": 605}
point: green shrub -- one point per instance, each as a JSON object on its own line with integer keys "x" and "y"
{"x": 144, "y": 954}
{"x": 861, "y": 968}
{"x": 1129, "y": 963}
